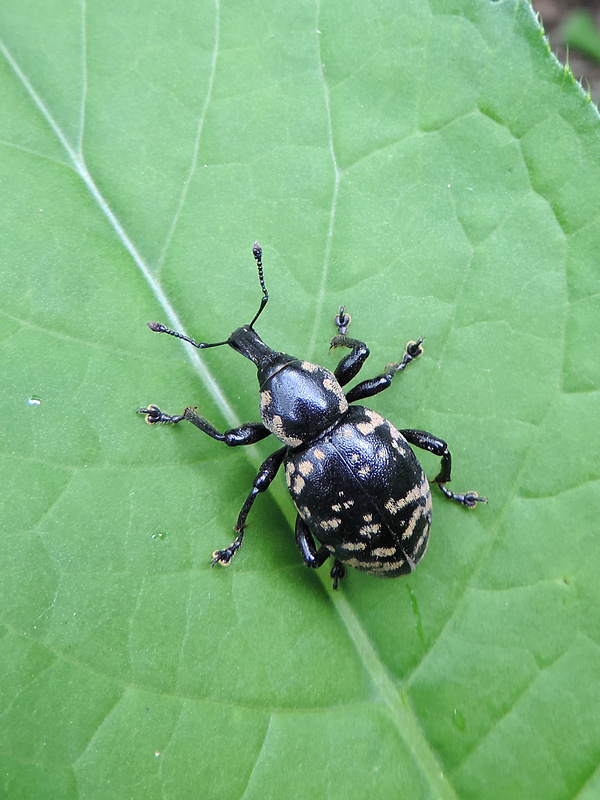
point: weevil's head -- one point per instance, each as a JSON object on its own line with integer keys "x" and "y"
{"x": 298, "y": 400}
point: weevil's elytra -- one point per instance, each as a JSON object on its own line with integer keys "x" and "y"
{"x": 354, "y": 478}
{"x": 390, "y": 515}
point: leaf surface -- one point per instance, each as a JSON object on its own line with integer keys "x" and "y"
{"x": 430, "y": 166}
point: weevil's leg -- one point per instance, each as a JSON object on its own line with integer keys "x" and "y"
{"x": 439, "y": 448}
{"x": 154, "y": 416}
{"x": 380, "y": 382}
{"x": 306, "y": 544}
{"x": 311, "y": 556}
{"x": 337, "y": 572}
{"x": 249, "y": 433}
{"x": 351, "y": 364}
{"x": 266, "y": 473}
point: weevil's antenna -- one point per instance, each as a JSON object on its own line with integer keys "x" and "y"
{"x": 257, "y": 253}
{"x": 158, "y": 327}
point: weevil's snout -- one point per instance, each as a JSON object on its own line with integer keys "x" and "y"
{"x": 247, "y": 342}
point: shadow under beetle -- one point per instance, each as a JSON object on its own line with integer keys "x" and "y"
{"x": 356, "y": 483}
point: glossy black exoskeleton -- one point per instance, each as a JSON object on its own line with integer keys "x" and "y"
{"x": 356, "y": 483}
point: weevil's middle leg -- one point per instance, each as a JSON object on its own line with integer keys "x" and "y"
{"x": 264, "y": 477}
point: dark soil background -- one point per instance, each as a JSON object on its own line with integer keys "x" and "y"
{"x": 554, "y": 14}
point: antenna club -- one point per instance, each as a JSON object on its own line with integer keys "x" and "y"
{"x": 157, "y": 327}
{"x": 257, "y": 253}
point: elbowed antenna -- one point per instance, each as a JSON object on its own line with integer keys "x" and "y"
{"x": 158, "y": 327}
{"x": 257, "y": 253}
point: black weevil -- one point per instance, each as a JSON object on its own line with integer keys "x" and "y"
{"x": 356, "y": 483}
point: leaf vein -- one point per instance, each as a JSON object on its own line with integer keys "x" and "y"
{"x": 80, "y": 166}
{"x": 194, "y": 161}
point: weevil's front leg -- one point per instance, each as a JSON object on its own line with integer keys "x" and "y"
{"x": 266, "y": 473}
{"x": 249, "y": 433}
{"x": 380, "y": 382}
{"x": 311, "y": 556}
{"x": 351, "y": 364}
{"x": 439, "y": 448}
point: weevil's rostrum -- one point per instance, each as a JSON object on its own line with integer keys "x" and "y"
{"x": 354, "y": 478}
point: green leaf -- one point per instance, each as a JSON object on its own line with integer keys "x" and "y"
{"x": 432, "y": 167}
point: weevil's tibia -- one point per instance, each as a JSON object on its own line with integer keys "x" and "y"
{"x": 264, "y": 477}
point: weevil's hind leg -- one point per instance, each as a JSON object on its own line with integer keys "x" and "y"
{"x": 439, "y": 448}
{"x": 306, "y": 544}
{"x": 249, "y": 433}
{"x": 311, "y": 556}
{"x": 266, "y": 473}
{"x": 338, "y": 571}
